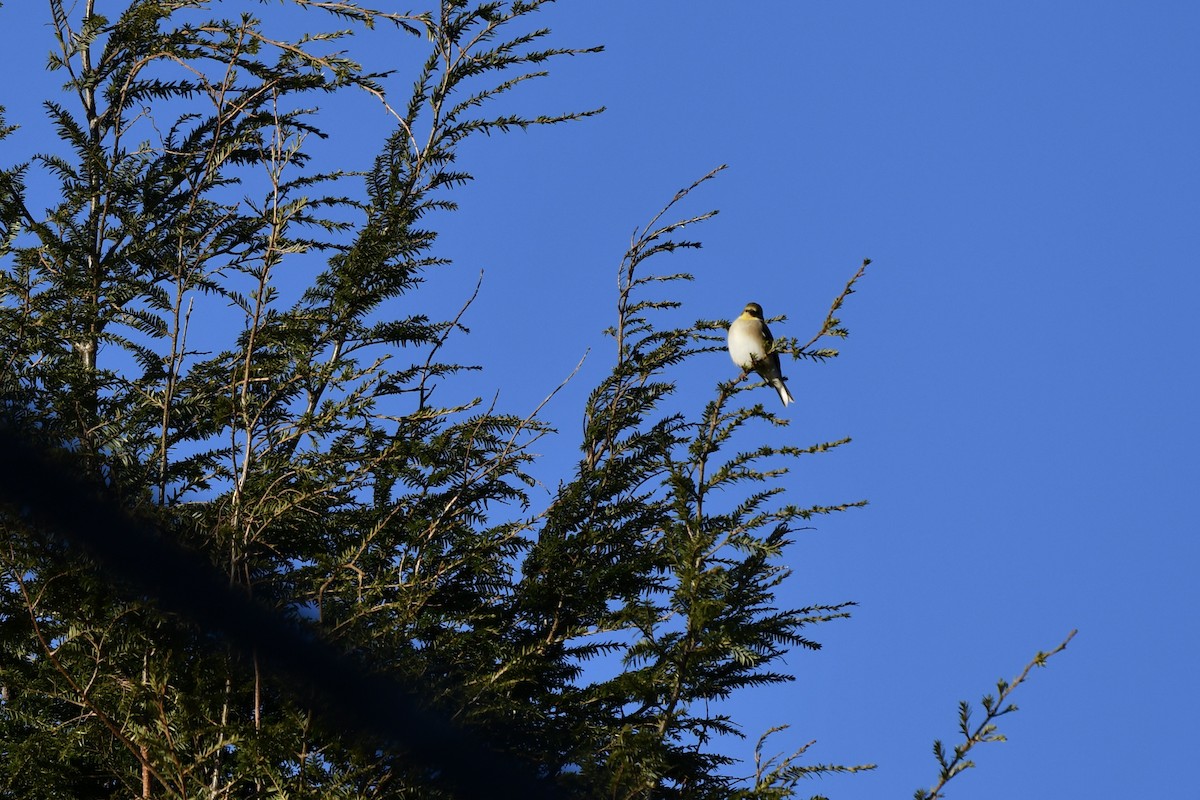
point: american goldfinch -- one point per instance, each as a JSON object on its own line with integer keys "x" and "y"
{"x": 750, "y": 348}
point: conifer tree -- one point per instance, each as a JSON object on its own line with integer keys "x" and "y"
{"x": 314, "y": 447}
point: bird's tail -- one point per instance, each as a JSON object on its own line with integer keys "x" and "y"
{"x": 784, "y": 394}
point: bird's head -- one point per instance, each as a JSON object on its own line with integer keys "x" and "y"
{"x": 753, "y": 310}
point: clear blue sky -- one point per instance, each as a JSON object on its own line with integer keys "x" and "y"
{"x": 1020, "y": 382}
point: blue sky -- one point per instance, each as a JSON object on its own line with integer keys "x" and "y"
{"x": 1020, "y": 381}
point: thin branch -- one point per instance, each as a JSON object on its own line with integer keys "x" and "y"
{"x": 986, "y": 730}
{"x": 829, "y": 326}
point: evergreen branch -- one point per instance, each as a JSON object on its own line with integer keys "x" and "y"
{"x": 830, "y": 326}
{"x": 985, "y": 731}
{"x": 415, "y": 24}
{"x": 778, "y": 776}
{"x": 80, "y": 691}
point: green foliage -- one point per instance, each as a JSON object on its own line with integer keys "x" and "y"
{"x": 309, "y": 443}
{"x": 683, "y": 593}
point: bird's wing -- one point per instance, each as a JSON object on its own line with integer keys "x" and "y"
{"x": 766, "y": 333}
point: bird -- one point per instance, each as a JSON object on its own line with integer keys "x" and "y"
{"x": 750, "y": 348}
